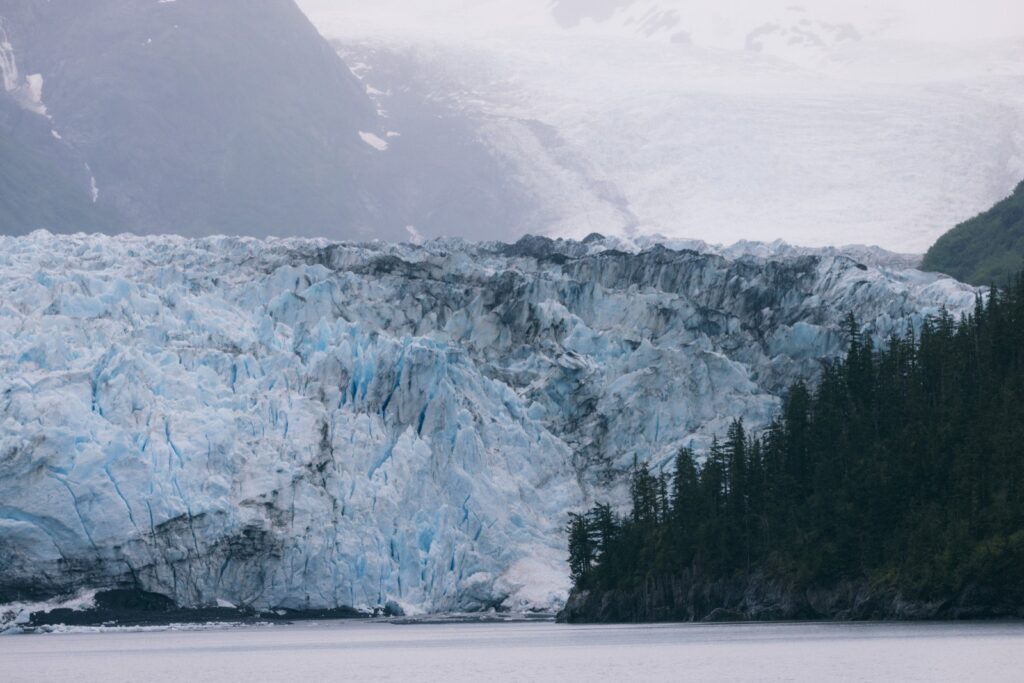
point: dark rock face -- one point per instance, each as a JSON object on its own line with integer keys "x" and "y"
{"x": 43, "y": 181}
{"x": 233, "y": 116}
{"x": 227, "y": 117}
{"x": 693, "y": 597}
{"x": 134, "y": 607}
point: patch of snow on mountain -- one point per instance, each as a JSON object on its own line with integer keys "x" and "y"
{"x": 94, "y": 190}
{"x": 374, "y": 141}
{"x": 8, "y": 64}
{"x": 28, "y": 91}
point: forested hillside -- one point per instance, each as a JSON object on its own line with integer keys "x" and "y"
{"x": 893, "y": 488}
{"x": 985, "y": 250}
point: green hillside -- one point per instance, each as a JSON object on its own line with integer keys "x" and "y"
{"x": 988, "y": 249}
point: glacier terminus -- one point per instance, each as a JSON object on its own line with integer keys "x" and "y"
{"x": 308, "y": 424}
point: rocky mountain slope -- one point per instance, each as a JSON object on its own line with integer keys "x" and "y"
{"x": 233, "y": 117}
{"x": 42, "y": 180}
{"x": 308, "y": 424}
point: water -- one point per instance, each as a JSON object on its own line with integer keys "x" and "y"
{"x": 526, "y": 652}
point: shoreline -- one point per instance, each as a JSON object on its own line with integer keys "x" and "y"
{"x": 120, "y": 610}
{"x": 690, "y": 598}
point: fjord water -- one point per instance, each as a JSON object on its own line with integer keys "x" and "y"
{"x": 364, "y": 651}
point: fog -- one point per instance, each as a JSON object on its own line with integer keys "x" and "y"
{"x": 720, "y": 23}
{"x": 818, "y": 123}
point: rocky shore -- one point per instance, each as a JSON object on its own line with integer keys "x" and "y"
{"x": 136, "y": 608}
{"x": 692, "y": 597}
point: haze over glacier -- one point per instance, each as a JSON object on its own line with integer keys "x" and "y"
{"x": 810, "y": 122}
{"x": 313, "y": 424}
{"x": 493, "y": 119}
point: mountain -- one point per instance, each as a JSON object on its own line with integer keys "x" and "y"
{"x": 42, "y": 180}
{"x": 493, "y": 119}
{"x": 986, "y": 250}
{"x": 311, "y": 424}
{"x": 233, "y": 117}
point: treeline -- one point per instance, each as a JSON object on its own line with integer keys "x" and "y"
{"x": 904, "y": 467}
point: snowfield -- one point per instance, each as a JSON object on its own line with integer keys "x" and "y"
{"x": 298, "y": 423}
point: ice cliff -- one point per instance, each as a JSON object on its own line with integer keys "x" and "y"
{"x": 299, "y": 423}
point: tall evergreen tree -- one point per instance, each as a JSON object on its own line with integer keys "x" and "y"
{"x": 904, "y": 465}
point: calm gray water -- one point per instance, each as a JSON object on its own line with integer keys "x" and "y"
{"x": 526, "y": 652}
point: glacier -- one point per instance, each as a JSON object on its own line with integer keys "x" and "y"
{"x": 817, "y": 122}
{"x": 308, "y": 424}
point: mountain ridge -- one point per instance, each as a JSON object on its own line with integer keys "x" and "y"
{"x": 233, "y": 117}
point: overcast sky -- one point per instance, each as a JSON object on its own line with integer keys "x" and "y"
{"x": 715, "y": 21}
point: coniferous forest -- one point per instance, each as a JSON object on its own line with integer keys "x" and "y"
{"x": 900, "y": 473}
{"x": 988, "y": 248}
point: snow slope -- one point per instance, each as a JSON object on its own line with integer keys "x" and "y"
{"x": 303, "y": 423}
